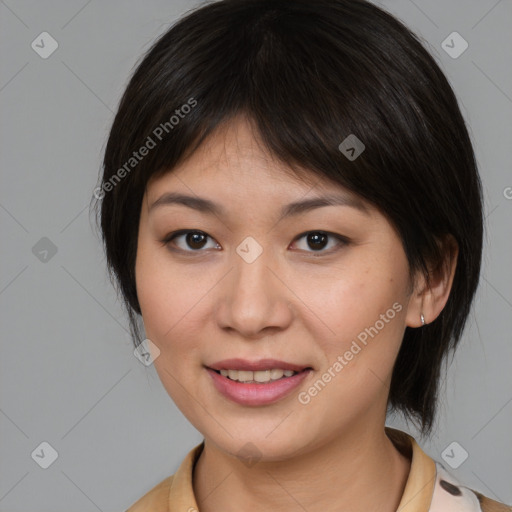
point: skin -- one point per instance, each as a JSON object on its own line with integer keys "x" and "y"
{"x": 293, "y": 303}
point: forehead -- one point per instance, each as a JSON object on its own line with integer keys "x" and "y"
{"x": 234, "y": 159}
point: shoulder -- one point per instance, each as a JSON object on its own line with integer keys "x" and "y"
{"x": 156, "y": 500}
{"x": 449, "y": 494}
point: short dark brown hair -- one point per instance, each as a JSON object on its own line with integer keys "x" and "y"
{"x": 308, "y": 74}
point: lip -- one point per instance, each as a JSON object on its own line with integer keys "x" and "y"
{"x": 261, "y": 364}
{"x": 256, "y": 394}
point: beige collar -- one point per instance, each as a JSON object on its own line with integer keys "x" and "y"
{"x": 416, "y": 498}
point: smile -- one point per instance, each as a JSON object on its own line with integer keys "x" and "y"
{"x": 260, "y": 376}
{"x": 256, "y": 383}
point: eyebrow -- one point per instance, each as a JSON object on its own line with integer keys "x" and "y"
{"x": 207, "y": 206}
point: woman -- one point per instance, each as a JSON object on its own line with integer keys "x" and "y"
{"x": 290, "y": 201}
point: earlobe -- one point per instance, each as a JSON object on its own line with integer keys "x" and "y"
{"x": 416, "y": 312}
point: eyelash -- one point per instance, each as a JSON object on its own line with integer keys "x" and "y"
{"x": 166, "y": 241}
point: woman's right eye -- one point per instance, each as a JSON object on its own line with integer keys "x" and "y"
{"x": 193, "y": 239}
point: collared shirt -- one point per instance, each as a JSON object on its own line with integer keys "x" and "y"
{"x": 429, "y": 487}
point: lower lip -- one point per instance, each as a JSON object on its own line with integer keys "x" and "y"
{"x": 257, "y": 394}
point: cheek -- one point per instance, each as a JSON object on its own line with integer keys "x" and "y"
{"x": 174, "y": 303}
{"x": 164, "y": 292}
{"x": 155, "y": 296}
{"x": 167, "y": 299}
{"x": 367, "y": 316}
{"x": 357, "y": 298}
{"x": 365, "y": 312}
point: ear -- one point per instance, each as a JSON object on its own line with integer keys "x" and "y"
{"x": 430, "y": 295}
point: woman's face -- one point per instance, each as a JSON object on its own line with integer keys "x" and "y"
{"x": 255, "y": 280}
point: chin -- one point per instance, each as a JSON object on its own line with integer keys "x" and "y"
{"x": 259, "y": 446}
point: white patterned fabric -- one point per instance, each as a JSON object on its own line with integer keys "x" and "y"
{"x": 450, "y": 495}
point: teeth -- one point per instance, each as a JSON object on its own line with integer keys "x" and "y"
{"x": 276, "y": 374}
{"x": 260, "y": 376}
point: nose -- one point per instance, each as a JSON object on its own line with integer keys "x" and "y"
{"x": 254, "y": 300}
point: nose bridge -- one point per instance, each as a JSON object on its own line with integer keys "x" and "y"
{"x": 253, "y": 299}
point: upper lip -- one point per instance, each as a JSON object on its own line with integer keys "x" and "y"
{"x": 260, "y": 364}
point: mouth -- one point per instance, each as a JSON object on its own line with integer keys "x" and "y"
{"x": 253, "y": 383}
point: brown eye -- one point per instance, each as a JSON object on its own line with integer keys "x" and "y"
{"x": 190, "y": 241}
{"x": 316, "y": 241}
{"x": 195, "y": 240}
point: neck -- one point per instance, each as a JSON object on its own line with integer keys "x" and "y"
{"x": 359, "y": 471}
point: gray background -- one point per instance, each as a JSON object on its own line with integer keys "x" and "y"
{"x": 68, "y": 373}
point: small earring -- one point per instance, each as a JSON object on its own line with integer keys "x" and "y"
{"x": 422, "y": 318}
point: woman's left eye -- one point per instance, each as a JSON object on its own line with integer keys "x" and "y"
{"x": 319, "y": 240}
